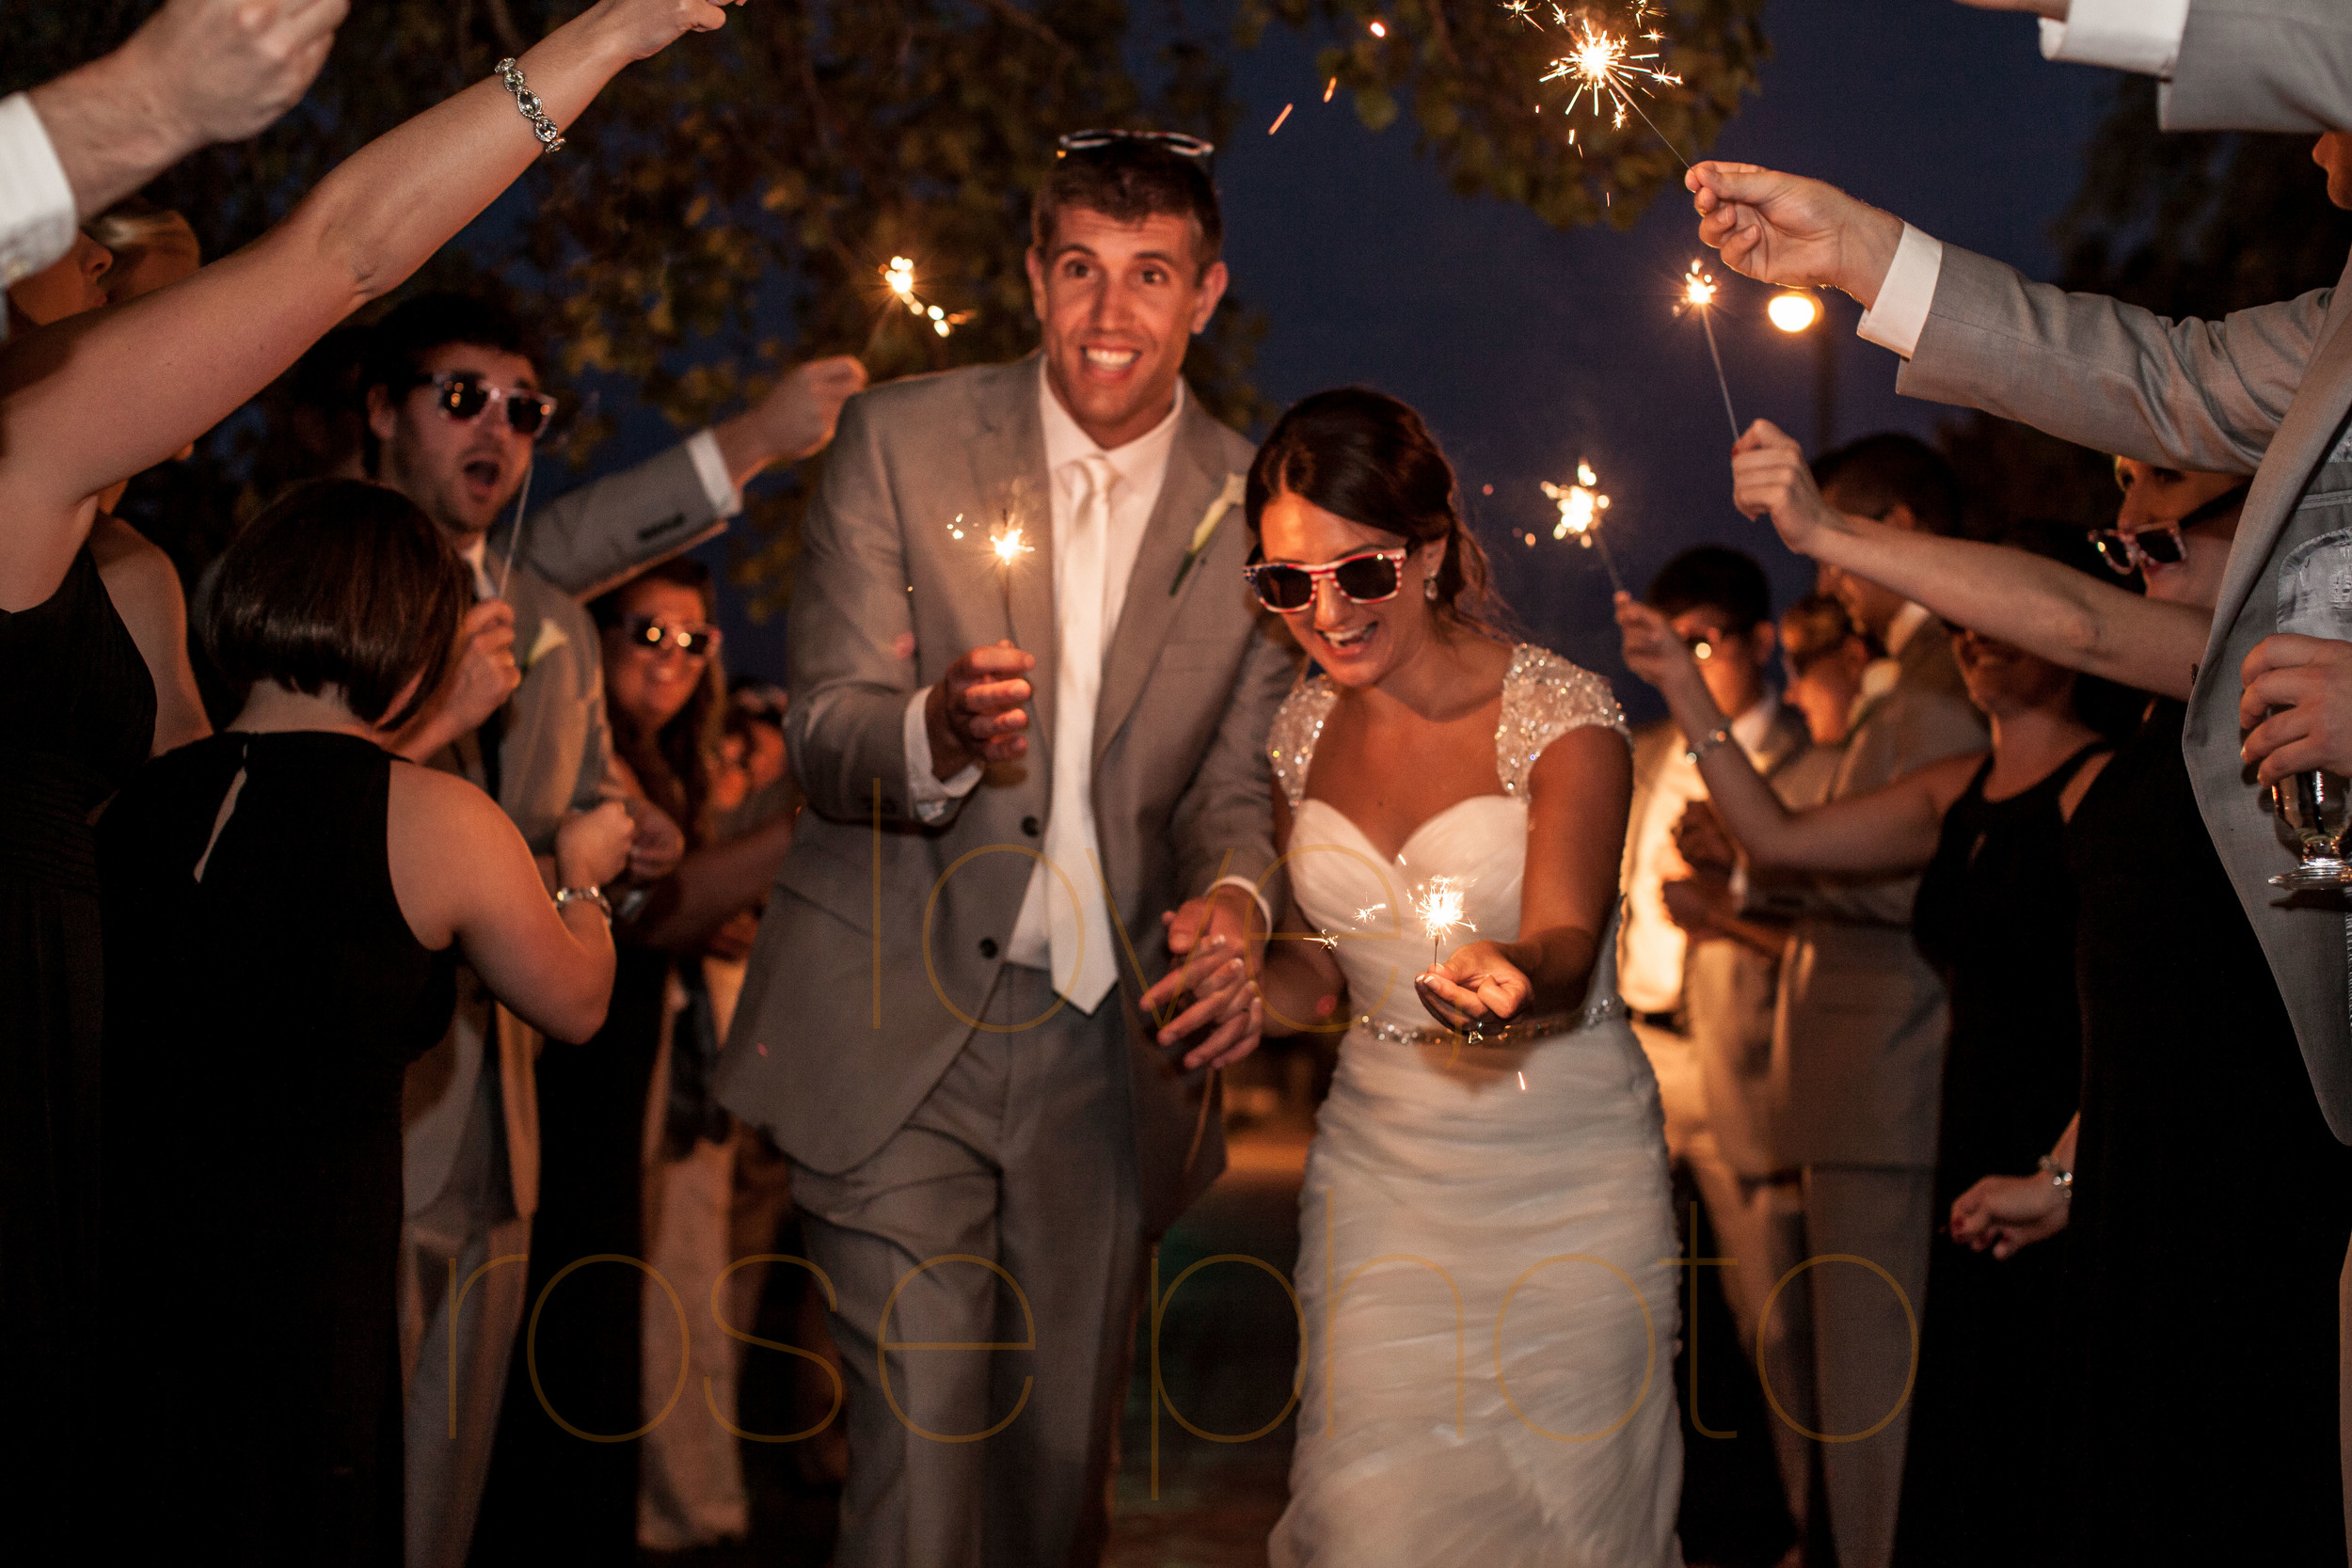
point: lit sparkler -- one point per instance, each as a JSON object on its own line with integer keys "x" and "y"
{"x": 1698, "y": 294}
{"x": 899, "y": 278}
{"x": 1440, "y": 910}
{"x": 1581, "y": 507}
{"x": 1607, "y": 64}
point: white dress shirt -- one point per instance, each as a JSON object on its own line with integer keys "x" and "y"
{"x": 710, "y": 467}
{"x": 2142, "y": 36}
{"x": 1649, "y": 978}
{"x": 36, "y": 210}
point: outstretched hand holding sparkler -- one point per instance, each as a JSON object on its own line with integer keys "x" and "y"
{"x": 1791, "y": 232}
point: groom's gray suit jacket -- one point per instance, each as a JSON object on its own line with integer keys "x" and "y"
{"x": 2263, "y": 64}
{"x": 884, "y": 934}
{"x": 2264, "y": 392}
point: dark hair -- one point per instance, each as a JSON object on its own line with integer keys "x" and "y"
{"x": 1881, "y": 473}
{"x": 1363, "y": 456}
{"x": 673, "y": 764}
{"x": 2108, "y": 706}
{"x": 1713, "y": 578}
{"x": 1814, "y": 626}
{"x": 1128, "y": 182}
{"x": 398, "y": 343}
{"x": 339, "y": 582}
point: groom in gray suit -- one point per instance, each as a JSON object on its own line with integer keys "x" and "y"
{"x": 943, "y": 1024}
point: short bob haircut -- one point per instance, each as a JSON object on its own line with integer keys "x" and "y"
{"x": 340, "y": 583}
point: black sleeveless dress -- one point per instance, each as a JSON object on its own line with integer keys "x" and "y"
{"x": 2211, "y": 1206}
{"x": 1996, "y": 916}
{"x": 77, "y": 712}
{"x": 258, "y": 1024}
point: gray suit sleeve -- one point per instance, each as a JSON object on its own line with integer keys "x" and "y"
{"x": 851, "y": 616}
{"x": 2116, "y": 378}
{"x": 2263, "y": 64}
{"x": 1224, "y": 821}
{"x": 594, "y": 536}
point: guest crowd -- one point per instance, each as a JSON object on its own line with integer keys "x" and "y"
{"x": 406, "y": 925}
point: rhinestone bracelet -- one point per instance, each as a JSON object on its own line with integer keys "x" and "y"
{"x": 550, "y": 135}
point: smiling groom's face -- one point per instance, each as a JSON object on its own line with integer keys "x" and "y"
{"x": 1119, "y": 302}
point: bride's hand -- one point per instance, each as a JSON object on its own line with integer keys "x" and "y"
{"x": 1477, "y": 986}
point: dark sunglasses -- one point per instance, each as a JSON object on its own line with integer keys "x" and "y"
{"x": 463, "y": 395}
{"x": 1173, "y": 141}
{"x": 646, "y": 634}
{"x": 2161, "y": 543}
{"x": 1368, "y": 576}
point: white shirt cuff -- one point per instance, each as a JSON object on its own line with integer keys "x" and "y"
{"x": 710, "y": 467}
{"x": 1901, "y": 311}
{"x": 2142, "y": 36}
{"x": 929, "y": 795}
{"x": 1250, "y": 888}
{"x": 36, "y": 210}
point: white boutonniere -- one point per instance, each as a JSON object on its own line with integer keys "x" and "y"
{"x": 551, "y": 638}
{"x": 1237, "y": 490}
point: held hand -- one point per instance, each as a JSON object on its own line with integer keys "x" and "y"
{"x": 1652, "y": 651}
{"x": 2006, "y": 1212}
{"x": 1218, "y": 943}
{"x": 796, "y": 418}
{"x": 1475, "y": 986}
{"x": 1700, "y": 840}
{"x": 221, "y": 70}
{"x": 2297, "y": 704}
{"x": 640, "y": 29}
{"x": 975, "y": 714}
{"x": 1796, "y": 232}
{"x": 658, "y": 845}
{"x": 592, "y": 846}
{"x": 1769, "y": 476}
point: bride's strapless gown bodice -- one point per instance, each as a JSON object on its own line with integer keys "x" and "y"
{"x": 1487, "y": 1244}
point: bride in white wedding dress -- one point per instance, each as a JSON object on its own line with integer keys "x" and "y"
{"x": 1486, "y": 1256}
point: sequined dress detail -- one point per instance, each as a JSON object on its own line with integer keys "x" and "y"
{"x": 1485, "y": 1229}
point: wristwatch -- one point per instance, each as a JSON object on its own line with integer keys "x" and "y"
{"x": 587, "y": 896}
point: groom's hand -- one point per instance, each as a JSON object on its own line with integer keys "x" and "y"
{"x": 975, "y": 714}
{"x": 1796, "y": 232}
{"x": 1218, "y": 943}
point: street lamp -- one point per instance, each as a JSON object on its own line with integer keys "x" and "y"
{"x": 1798, "y": 311}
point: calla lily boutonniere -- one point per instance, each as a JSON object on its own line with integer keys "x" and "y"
{"x": 551, "y": 638}
{"x": 1237, "y": 490}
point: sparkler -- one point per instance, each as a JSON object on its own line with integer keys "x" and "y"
{"x": 1607, "y": 66}
{"x": 1278, "y": 119}
{"x": 899, "y": 278}
{"x": 1580, "y": 508}
{"x": 1439, "y": 909}
{"x": 1698, "y": 294}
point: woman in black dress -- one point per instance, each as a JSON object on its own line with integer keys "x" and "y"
{"x": 285, "y": 904}
{"x": 2198, "y": 1405}
{"x": 1996, "y": 915}
{"x": 86, "y": 401}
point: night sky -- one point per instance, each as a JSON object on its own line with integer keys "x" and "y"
{"x": 1526, "y": 348}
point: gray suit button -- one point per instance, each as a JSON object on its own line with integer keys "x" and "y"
{"x": 1029, "y": 825}
{"x": 987, "y": 947}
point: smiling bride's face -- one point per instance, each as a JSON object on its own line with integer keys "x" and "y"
{"x": 1356, "y": 643}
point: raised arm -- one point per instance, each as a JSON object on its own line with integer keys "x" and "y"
{"x": 2041, "y": 606}
{"x": 1884, "y": 832}
{"x": 184, "y": 357}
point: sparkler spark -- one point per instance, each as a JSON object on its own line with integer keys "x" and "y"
{"x": 1698, "y": 294}
{"x": 1581, "y": 507}
{"x": 1606, "y": 65}
{"x": 1278, "y": 119}
{"x": 899, "y": 278}
{"x": 1439, "y": 909}
{"x": 1007, "y": 545}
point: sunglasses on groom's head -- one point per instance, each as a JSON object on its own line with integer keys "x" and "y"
{"x": 1177, "y": 142}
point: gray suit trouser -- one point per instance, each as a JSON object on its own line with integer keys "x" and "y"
{"x": 1021, "y": 1157}
{"x": 1864, "y": 1341}
{"x": 468, "y": 1244}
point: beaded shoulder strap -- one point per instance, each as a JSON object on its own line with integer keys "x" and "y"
{"x": 1297, "y": 725}
{"x": 1544, "y": 697}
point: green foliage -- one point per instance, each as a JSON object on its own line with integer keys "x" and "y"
{"x": 729, "y": 207}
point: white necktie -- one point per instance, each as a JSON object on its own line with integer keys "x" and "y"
{"x": 1085, "y": 963}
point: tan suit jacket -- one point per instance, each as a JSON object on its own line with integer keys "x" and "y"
{"x": 1858, "y": 1043}
{"x": 2263, "y": 64}
{"x": 884, "y": 934}
{"x": 553, "y": 759}
{"x": 599, "y": 534}
{"x": 2264, "y": 392}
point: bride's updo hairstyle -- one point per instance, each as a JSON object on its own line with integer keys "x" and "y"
{"x": 1365, "y": 456}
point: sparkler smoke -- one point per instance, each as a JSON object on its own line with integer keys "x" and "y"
{"x": 1580, "y": 508}
{"x": 1698, "y": 294}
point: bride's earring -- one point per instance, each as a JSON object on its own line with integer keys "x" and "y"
{"x": 1429, "y": 588}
